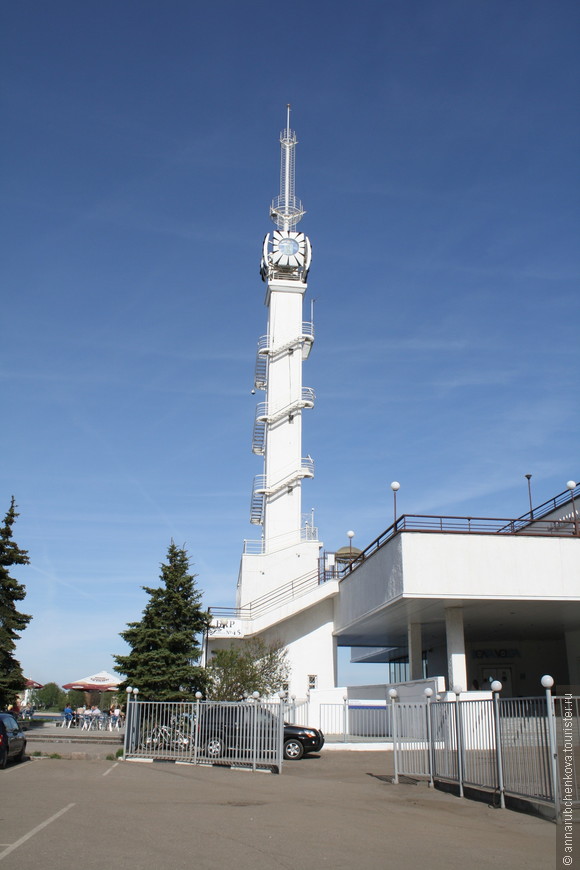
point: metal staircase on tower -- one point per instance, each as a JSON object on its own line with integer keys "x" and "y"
{"x": 304, "y": 340}
{"x": 306, "y": 400}
{"x": 265, "y": 351}
{"x": 260, "y": 489}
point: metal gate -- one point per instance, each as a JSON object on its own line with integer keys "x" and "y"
{"x": 248, "y": 733}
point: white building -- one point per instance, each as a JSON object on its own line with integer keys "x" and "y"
{"x": 459, "y": 599}
{"x": 471, "y": 599}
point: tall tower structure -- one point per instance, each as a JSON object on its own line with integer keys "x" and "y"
{"x": 276, "y": 496}
{"x": 284, "y": 594}
{"x": 276, "y": 502}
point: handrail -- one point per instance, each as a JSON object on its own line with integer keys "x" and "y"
{"x": 306, "y": 400}
{"x": 307, "y": 334}
{"x": 271, "y": 600}
{"x": 550, "y": 505}
{"x": 306, "y": 470}
{"x": 521, "y": 526}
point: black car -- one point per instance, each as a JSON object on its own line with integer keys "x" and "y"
{"x": 299, "y": 740}
{"x": 12, "y": 740}
{"x": 243, "y": 729}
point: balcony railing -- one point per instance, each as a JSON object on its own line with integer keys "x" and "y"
{"x": 522, "y": 526}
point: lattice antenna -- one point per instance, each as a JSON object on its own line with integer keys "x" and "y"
{"x": 286, "y": 210}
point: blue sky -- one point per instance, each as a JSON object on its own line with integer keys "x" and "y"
{"x": 438, "y": 163}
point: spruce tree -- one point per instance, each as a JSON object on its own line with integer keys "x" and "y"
{"x": 12, "y": 621}
{"x": 165, "y": 643}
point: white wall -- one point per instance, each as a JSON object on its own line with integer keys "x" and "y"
{"x": 490, "y": 566}
{"x": 308, "y": 637}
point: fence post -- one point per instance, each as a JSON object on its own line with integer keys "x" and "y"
{"x": 129, "y": 691}
{"x": 459, "y": 737}
{"x": 198, "y": 697}
{"x": 428, "y": 695}
{"x": 255, "y": 697}
{"x": 496, "y": 688}
{"x": 547, "y": 682}
{"x": 281, "y": 711}
{"x": 393, "y": 697}
{"x": 344, "y": 718}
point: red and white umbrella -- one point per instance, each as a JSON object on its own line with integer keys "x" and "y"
{"x": 101, "y": 682}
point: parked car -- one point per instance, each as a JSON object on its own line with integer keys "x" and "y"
{"x": 12, "y": 740}
{"x": 237, "y": 729}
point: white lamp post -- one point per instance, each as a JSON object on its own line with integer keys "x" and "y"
{"x": 350, "y": 536}
{"x": 496, "y": 688}
{"x": 395, "y": 486}
{"x": 571, "y": 485}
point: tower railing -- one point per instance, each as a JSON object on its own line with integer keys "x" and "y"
{"x": 307, "y": 532}
{"x": 265, "y": 346}
{"x": 265, "y": 414}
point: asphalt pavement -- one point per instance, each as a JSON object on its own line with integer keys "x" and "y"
{"x": 337, "y": 810}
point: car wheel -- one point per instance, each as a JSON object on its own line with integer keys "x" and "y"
{"x": 293, "y": 750}
{"x": 3, "y": 758}
{"x": 214, "y": 747}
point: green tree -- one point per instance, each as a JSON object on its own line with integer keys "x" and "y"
{"x": 12, "y": 621}
{"x": 165, "y": 643}
{"x": 255, "y": 666}
{"x": 51, "y": 696}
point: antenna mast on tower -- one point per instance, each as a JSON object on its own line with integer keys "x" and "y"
{"x": 286, "y": 210}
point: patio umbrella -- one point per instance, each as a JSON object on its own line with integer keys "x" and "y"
{"x": 32, "y": 684}
{"x": 101, "y": 682}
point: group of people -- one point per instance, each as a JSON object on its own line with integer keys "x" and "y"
{"x": 92, "y": 717}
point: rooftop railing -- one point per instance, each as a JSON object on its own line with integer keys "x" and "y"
{"x": 522, "y": 526}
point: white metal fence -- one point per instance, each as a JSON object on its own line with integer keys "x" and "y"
{"x": 249, "y": 734}
{"x": 522, "y": 747}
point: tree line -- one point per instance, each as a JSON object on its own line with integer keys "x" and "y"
{"x": 165, "y": 645}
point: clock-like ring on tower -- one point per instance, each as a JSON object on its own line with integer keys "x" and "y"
{"x": 288, "y": 249}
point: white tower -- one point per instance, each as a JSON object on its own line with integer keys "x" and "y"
{"x": 276, "y": 504}
{"x": 276, "y": 496}
{"x": 283, "y": 592}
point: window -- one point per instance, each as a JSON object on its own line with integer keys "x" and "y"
{"x": 312, "y": 681}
